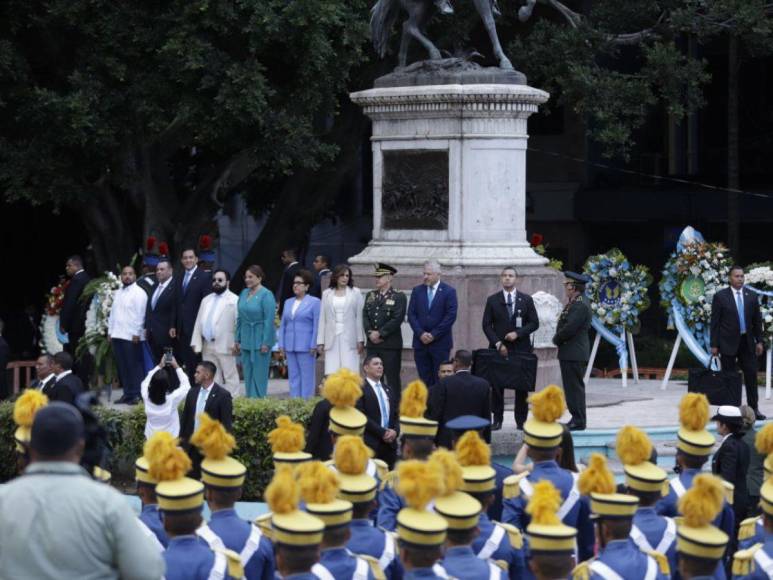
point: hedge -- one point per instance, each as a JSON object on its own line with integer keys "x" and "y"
{"x": 253, "y": 419}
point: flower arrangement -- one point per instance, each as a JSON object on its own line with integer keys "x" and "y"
{"x": 100, "y": 292}
{"x": 760, "y": 277}
{"x": 55, "y": 298}
{"x": 617, "y": 290}
{"x": 538, "y": 244}
{"x": 691, "y": 277}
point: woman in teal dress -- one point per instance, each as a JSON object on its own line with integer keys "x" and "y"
{"x": 255, "y": 332}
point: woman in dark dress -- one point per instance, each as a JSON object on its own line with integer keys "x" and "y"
{"x": 731, "y": 461}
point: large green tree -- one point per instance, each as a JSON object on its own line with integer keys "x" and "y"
{"x": 143, "y": 116}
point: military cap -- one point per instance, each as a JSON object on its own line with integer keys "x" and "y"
{"x": 613, "y": 505}
{"x": 700, "y": 505}
{"x": 634, "y": 450}
{"x": 598, "y": 482}
{"x": 382, "y": 269}
{"x": 693, "y": 438}
{"x": 464, "y": 423}
{"x": 342, "y": 389}
{"x": 728, "y": 414}
{"x": 460, "y": 510}
{"x": 167, "y": 465}
{"x": 474, "y": 456}
{"x": 180, "y": 495}
{"x": 319, "y": 487}
{"x": 542, "y": 428}
{"x": 419, "y": 483}
{"x": 351, "y": 459}
{"x": 24, "y": 410}
{"x": 413, "y": 405}
{"x": 357, "y": 488}
{"x": 287, "y": 441}
{"x": 546, "y": 532}
{"x": 141, "y": 472}
{"x": 218, "y": 469}
{"x": 577, "y": 278}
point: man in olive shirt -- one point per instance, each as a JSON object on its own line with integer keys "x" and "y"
{"x": 574, "y": 346}
{"x": 57, "y": 522}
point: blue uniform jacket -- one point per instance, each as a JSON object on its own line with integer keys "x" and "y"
{"x": 625, "y": 558}
{"x": 514, "y": 509}
{"x": 341, "y": 563}
{"x": 189, "y": 558}
{"x": 423, "y": 574}
{"x": 234, "y": 532}
{"x": 757, "y": 573}
{"x": 389, "y": 504}
{"x": 495, "y": 509}
{"x": 516, "y": 560}
{"x": 654, "y": 528}
{"x": 461, "y": 562}
{"x": 151, "y": 517}
{"x": 371, "y": 541}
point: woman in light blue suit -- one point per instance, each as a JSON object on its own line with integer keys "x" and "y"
{"x": 298, "y": 335}
{"x": 255, "y": 332}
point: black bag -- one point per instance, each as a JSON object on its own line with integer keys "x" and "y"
{"x": 720, "y": 387}
{"x": 518, "y": 370}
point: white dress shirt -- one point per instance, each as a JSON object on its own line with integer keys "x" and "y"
{"x": 63, "y": 374}
{"x": 164, "y": 417}
{"x": 47, "y": 381}
{"x": 127, "y": 315}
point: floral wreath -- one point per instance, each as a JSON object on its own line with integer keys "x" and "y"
{"x": 537, "y": 242}
{"x": 617, "y": 290}
{"x": 51, "y": 338}
{"x": 691, "y": 277}
{"x": 759, "y": 278}
{"x": 100, "y": 292}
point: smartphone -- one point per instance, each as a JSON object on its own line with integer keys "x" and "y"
{"x": 168, "y": 355}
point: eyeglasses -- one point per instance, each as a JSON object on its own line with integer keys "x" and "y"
{"x": 219, "y": 280}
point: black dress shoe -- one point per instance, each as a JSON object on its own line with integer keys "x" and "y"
{"x": 759, "y": 416}
{"x": 575, "y": 427}
{"x": 121, "y": 401}
{"x": 496, "y": 426}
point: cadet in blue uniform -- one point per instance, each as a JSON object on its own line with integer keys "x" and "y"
{"x": 296, "y": 535}
{"x": 150, "y": 516}
{"x": 223, "y": 479}
{"x": 542, "y": 433}
{"x": 180, "y": 499}
{"x": 756, "y": 562}
{"x": 461, "y": 512}
{"x": 618, "y": 556}
{"x": 319, "y": 491}
{"x": 551, "y": 543}
{"x": 24, "y": 410}
{"x": 645, "y": 480}
{"x": 287, "y": 441}
{"x": 359, "y": 488}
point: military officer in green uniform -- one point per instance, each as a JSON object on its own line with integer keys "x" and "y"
{"x": 574, "y": 346}
{"x": 383, "y": 314}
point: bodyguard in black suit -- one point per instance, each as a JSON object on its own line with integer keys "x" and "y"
{"x": 731, "y": 461}
{"x": 72, "y": 317}
{"x": 736, "y": 332}
{"x": 161, "y": 312}
{"x": 460, "y": 394}
{"x": 190, "y": 288}
{"x": 380, "y": 405}
{"x": 67, "y": 385}
{"x": 285, "y": 288}
{"x": 509, "y": 319}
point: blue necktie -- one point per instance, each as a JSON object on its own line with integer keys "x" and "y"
{"x": 382, "y": 406}
{"x": 156, "y": 296}
{"x": 739, "y": 305}
{"x": 430, "y": 296}
{"x": 201, "y": 402}
{"x": 186, "y": 280}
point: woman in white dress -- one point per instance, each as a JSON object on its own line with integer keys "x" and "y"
{"x": 341, "y": 336}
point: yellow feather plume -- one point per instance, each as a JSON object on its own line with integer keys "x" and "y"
{"x": 212, "y": 438}
{"x": 701, "y": 504}
{"x": 596, "y": 478}
{"x": 445, "y": 461}
{"x": 694, "y": 411}
{"x": 548, "y": 405}
{"x": 282, "y": 494}
{"x": 318, "y": 483}
{"x": 418, "y": 483}
{"x": 351, "y": 455}
{"x": 633, "y": 446}
{"x": 414, "y": 400}
{"x": 288, "y": 437}
{"x": 342, "y": 388}
{"x": 166, "y": 461}
{"x": 472, "y": 450}
{"x": 27, "y": 405}
{"x": 763, "y": 441}
{"x": 544, "y": 504}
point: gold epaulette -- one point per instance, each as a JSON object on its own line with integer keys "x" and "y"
{"x": 662, "y": 561}
{"x": 728, "y": 488}
{"x": 263, "y": 521}
{"x": 747, "y": 529}
{"x": 513, "y": 534}
{"x": 234, "y": 563}
{"x": 389, "y": 480}
{"x": 375, "y": 569}
{"x": 511, "y": 486}
{"x": 582, "y": 571}
{"x": 382, "y": 469}
{"x": 501, "y": 564}
{"x": 742, "y": 560}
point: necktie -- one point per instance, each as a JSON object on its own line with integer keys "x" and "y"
{"x": 201, "y": 402}
{"x": 510, "y": 304}
{"x": 186, "y": 280}
{"x": 156, "y": 294}
{"x": 382, "y": 406}
{"x": 739, "y": 305}
{"x": 209, "y": 329}
{"x": 430, "y": 296}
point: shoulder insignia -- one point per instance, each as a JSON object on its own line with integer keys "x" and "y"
{"x": 388, "y": 481}
{"x": 263, "y": 521}
{"x": 662, "y": 561}
{"x": 742, "y": 560}
{"x": 728, "y": 488}
{"x": 501, "y": 564}
{"x": 582, "y": 571}
{"x": 514, "y": 535}
{"x": 375, "y": 569}
{"x": 234, "y": 562}
{"x": 382, "y": 469}
{"x": 511, "y": 485}
{"x": 747, "y": 529}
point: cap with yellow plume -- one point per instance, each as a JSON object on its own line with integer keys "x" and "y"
{"x": 141, "y": 465}
{"x": 24, "y": 410}
{"x": 699, "y": 506}
{"x": 460, "y": 510}
{"x": 218, "y": 470}
{"x": 419, "y": 483}
{"x": 542, "y": 428}
{"x": 287, "y": 442}
{"x": 598, "y": 482}
{"x": 342, "y": 389}
{"x": 289, "y": 525}
{"x": 351, "y": 461}
{"x": 693, "y": 437}
{"x": 168, "y": 464}
{"x": 763, "y": 441}
{"x": 546, "y": 532}
{"x": 634, "y": 450}
{"x": 413, "y": 405}
{"x": 319, "y": 489}
{"x": 474, "y": 455}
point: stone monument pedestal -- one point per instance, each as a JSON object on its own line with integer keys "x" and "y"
{"x": 449, "y": 184}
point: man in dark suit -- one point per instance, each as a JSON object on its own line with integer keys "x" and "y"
{"x": 322, "y": 275}
{"x": 573, "y": 344}
{"x": 285, "y": 288}
{"x": 190, "y": 289}
{"x": 736, "y": 333}
{"x": 379, "y": 403}
{"x": 460, "y": 394}
{"x": 160, "y": 316}
{"x": 72, "y": 317}
{"x": 509, "y": 319}
{"x": 318, "y": 440}
{"x": 44, "y": 373}
{"x": 431, "y": 314}
{"x": 67, "y": 385}
{"x": 206, "y": 396}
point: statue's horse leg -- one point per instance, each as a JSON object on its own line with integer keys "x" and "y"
{"x": 486, "y": 15}
{"x": 418, "y": 14}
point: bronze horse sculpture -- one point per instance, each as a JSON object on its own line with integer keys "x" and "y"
{"x": 384, "y": 15}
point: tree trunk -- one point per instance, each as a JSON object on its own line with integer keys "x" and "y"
{"x": 733, "y": 164}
